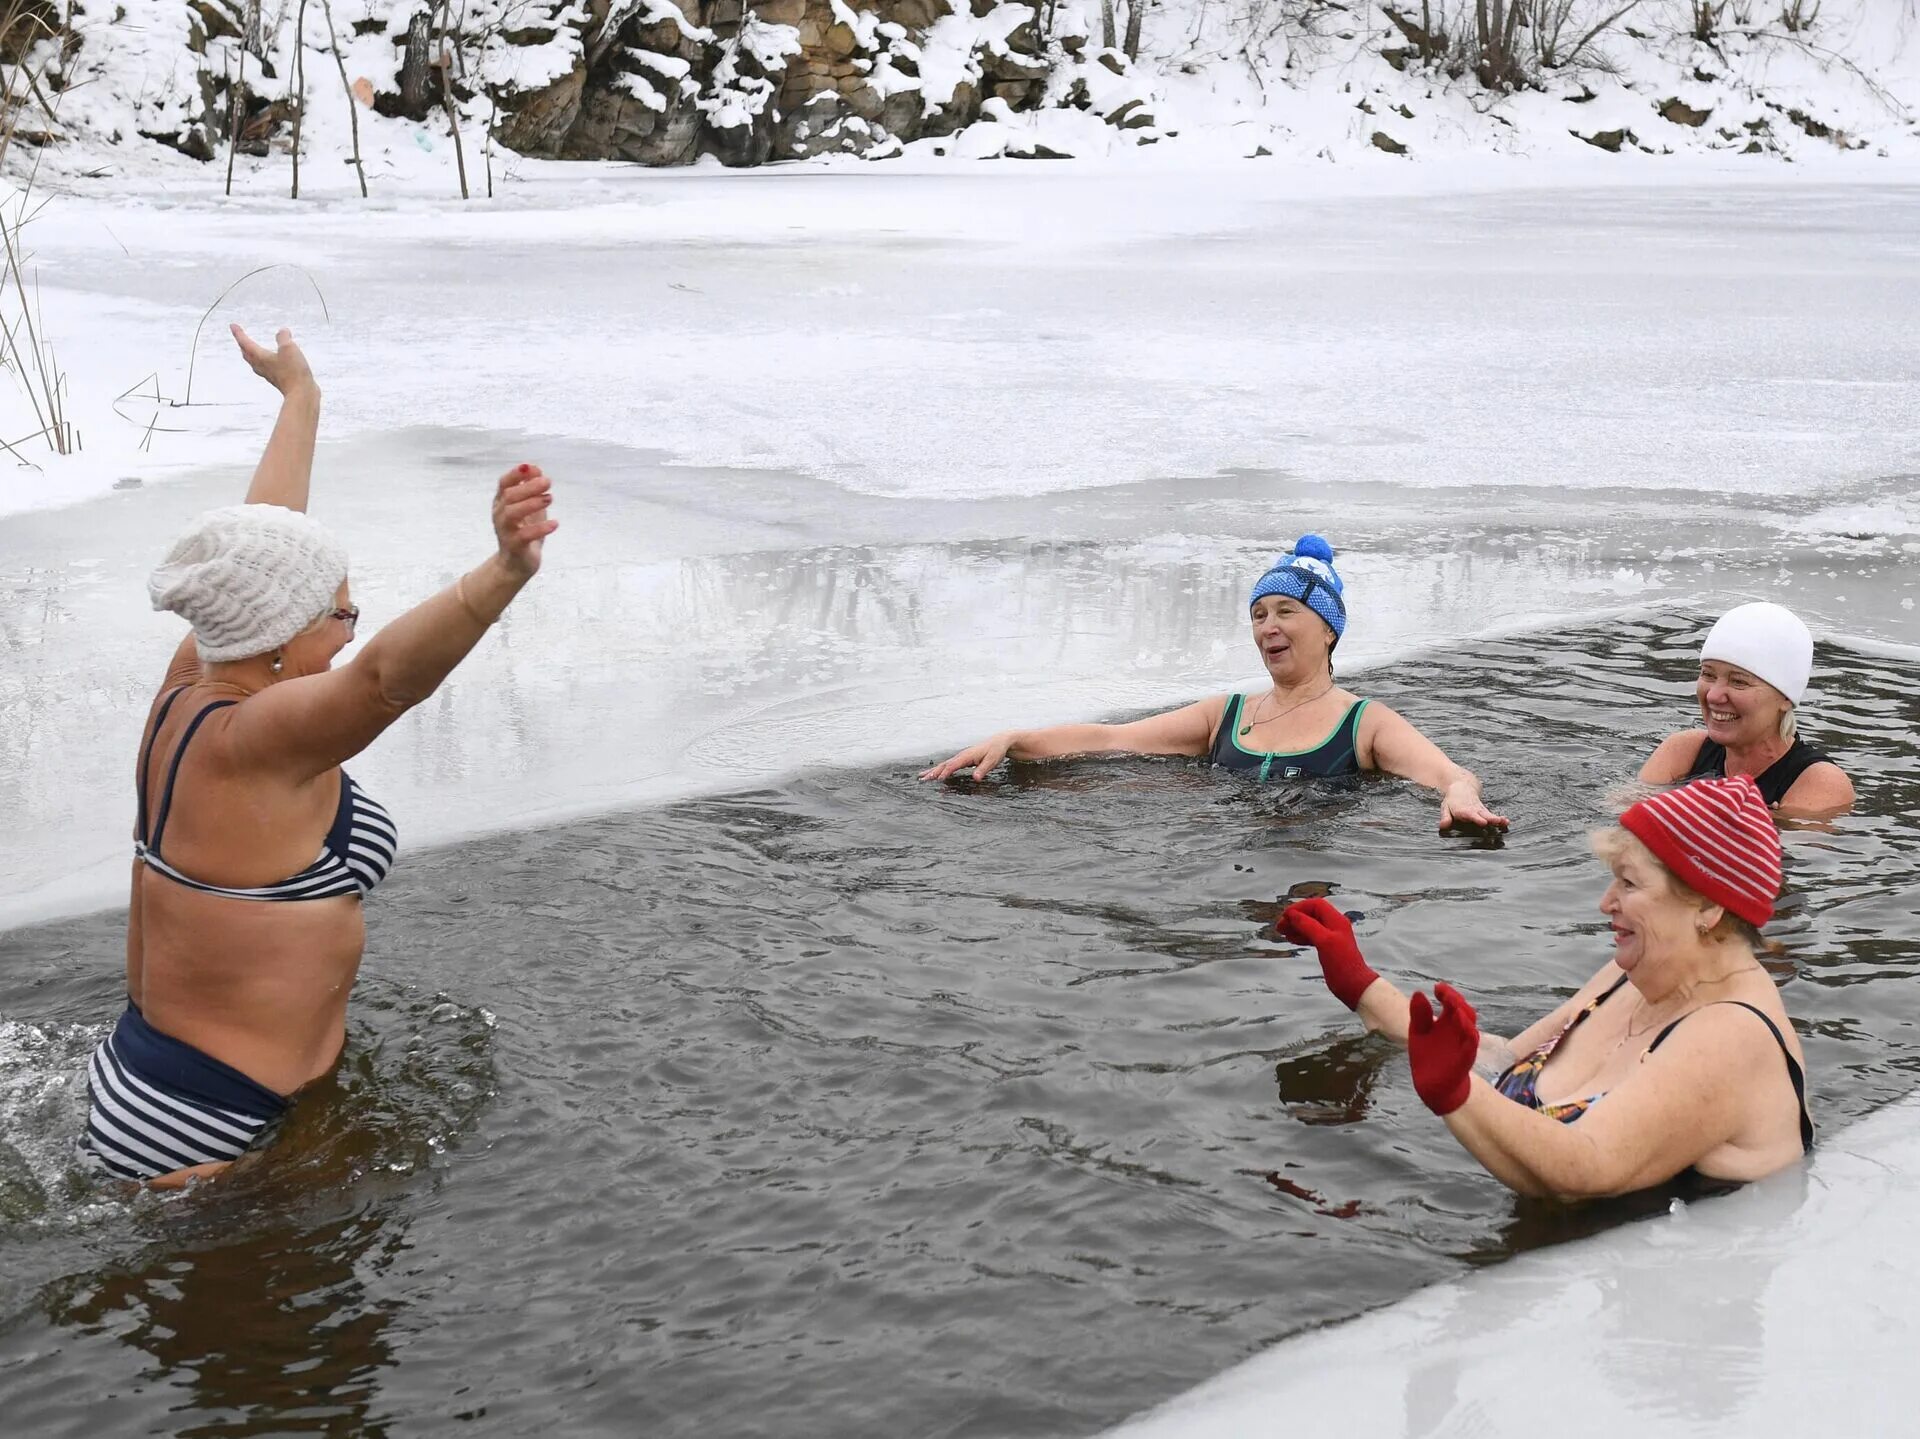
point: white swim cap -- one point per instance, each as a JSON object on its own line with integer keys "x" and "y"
{"x": 1766, "y": 640}
{"x": 248, "y": 578}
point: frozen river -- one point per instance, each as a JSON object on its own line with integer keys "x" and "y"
{"x": 853, "y": 468}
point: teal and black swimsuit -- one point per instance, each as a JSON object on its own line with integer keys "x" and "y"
{"x": 1337, "y": 754}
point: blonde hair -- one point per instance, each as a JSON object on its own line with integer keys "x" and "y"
{"x": 1790, "y": 723}
{"x": 1616, "y": 844}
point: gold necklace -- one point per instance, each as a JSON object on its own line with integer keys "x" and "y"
{"x": 1692, "y": 994}
{"x": 1247, "y": 728}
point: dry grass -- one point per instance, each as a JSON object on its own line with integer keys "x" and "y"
{"x": 30, "y": 42}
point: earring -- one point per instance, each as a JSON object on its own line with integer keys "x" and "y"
{"x": 279, "y": 663}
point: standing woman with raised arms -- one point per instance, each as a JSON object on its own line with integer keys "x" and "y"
{"x": 1304, "y": 725}
{"x": 253, "y": 850}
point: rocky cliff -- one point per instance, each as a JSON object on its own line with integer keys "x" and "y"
{"x": 777, "y": 79}
{"x": 668, "y": 82}
{"x": 746, "y": 81}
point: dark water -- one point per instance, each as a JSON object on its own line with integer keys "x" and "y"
{"x": 860, "y": 1107}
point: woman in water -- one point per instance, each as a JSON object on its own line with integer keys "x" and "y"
{"x": 1754, "y": 669}
{"x": 253, "y": 849}
{"x": 1303, "y": 725}
{"x": 1676, "y": 1056}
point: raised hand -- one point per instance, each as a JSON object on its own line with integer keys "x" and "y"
{"x": 982, "y": 757}
{"x": 1318, "y": 923}
{"x": 1441, "y": 1048}
{"x": 520, "y": 520}
{"x": 283, "y": 367}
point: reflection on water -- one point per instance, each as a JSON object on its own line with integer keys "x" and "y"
{"x": 255, "y": 1307}
{"x": 860, "y": 1106}
{"x": 272, "y": 1334}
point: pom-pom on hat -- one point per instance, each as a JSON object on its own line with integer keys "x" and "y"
{"x": 1306, "y": 573}
{"x": 248, "y": 578}
{"x": 1718, "y": 837}
{"x": 1767, "y": 640}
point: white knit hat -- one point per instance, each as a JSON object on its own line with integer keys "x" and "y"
{"x": 1767, "y": 640}
{"x": 248, "y": 578}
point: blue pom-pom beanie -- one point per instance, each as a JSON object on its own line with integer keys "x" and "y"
{"x": 1306, "y": 574}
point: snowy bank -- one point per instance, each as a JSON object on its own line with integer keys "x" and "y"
{"x": 748, "y": 81}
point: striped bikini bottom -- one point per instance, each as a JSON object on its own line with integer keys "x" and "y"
{"x": 159, "y": 1104}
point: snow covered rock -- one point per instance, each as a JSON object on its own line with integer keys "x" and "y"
{"x": 667, "y": 82}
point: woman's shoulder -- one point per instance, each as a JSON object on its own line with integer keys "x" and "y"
{"x": 1822, "y": 789}
{"x": 1733, "y": 1021}
{"x": 1673, "y": 757}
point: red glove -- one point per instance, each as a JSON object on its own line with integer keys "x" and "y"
{"x": 1315, "y": 922}
{"x": 1442, "y": 1049}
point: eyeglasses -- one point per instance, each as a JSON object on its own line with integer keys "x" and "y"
{"x": 350, "y": 616}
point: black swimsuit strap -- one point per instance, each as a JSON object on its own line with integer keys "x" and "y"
{"x": 1709, "y": 761}
{"x": 1588, "y": 1009}
{"x": 1612, "y": 990}
{"x": 1774, "y": 781}
{"x": 1784, "y": 772}
{"x": 1350, "y": 725}
{"x": 173, "y": 770}
{"x": 1794, "y": 1072}
{"x": 146, "y": 761}
{"x": 1224, "y": 733}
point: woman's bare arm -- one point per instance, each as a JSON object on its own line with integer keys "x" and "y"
{"x": 1823, "y": 791}
{"x": 285, "y": 473}
{"x": 1385, "y": 1010}
{"x": 312, "y": 723}
{"x": 1187, "y": 730}
{"x": 1388, "y": 741}
{"x": 1685, "y": 1100}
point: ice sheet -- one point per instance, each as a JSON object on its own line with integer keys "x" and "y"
{"x": 1783, "y": 1309}
{"x": 856, "y": 467}
{"x": 937, "y": 335}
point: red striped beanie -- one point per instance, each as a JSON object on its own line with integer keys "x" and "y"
{"x": 1718, "y": 836}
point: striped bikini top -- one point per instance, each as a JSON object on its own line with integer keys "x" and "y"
{"x": 355, "y": 856}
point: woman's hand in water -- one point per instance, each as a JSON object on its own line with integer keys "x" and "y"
{"x": 1318, "y": 923}
{"x": 520, "y": 520}
{"x": 982, "y": 757}
{"x": 1460, "y": 804}
{"x": 283, "y": 367}
{"x": 1441, "y": 1048}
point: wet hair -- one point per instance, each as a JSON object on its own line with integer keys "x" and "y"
{"x": 1613, "y": 845}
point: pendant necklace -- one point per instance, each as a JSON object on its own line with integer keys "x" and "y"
{"x": 1247, "y": 728}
